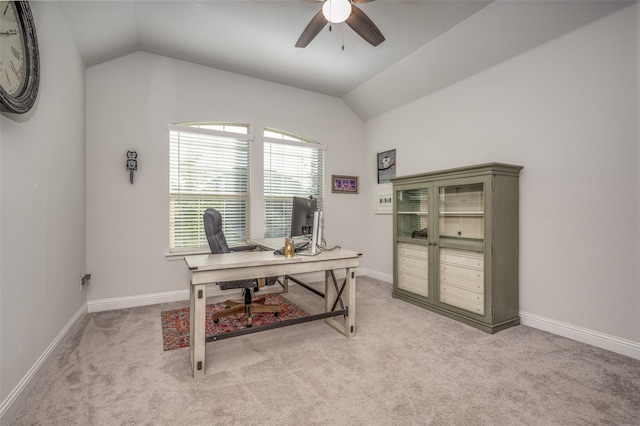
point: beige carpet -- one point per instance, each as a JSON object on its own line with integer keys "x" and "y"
{"x": 406, "y": 366}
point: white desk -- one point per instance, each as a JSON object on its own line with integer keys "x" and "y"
{"x": 213, "y": 268}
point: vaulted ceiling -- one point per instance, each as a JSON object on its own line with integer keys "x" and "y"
{"x": 429, "y": 44}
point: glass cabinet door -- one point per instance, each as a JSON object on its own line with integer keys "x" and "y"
{"x": 461, "y": 271}
{"x": 462, "y": 211}
{"x": 412, "y": 251}
{"x": 412, "y": 213}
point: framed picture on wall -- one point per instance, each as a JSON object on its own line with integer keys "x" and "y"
{"x": 386, "y": 166}
{"x": 344, "y": 184}
{"x": 383, "y": 199}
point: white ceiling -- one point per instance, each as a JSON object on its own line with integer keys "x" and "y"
{"x": 453, "y": 38}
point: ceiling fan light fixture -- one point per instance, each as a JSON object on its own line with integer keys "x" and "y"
{"x": 336, "y": 11}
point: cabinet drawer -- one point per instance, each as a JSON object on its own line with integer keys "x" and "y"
{"x": 421, "y": 271}
{"x": 471, "y": 296}
{"x": 413, "y": 250}
{"x": 462, "y": 303}
{"x": 471, "y": 284}
{"x": 471, "y": 259}
{"x": 413, "y": 284}
{"x": 413, "y": 261}
{"x": 464, "y": 273}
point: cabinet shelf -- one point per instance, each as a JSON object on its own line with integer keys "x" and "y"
{"x": 462, "y": 214}
{"x": 419, "y": 241}
{"x": 452, "y": 238}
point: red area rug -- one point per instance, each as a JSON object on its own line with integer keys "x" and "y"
{"x": 175, "y": 323}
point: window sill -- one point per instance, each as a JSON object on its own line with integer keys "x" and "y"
{"x": 181, "y": 254}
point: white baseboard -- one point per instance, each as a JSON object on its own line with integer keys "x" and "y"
{"x": 138, "y": 300}
{"x": 19, "y": 394}
{"x": 388, "y": 278}
{"x": 601, "y": 340}
{"x": 178, "y": 295}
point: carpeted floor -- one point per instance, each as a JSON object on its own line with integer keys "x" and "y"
{"x": 405, "y": 366}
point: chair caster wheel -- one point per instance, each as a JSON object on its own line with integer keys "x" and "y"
{"x": 217, "y": 320}
{"x": 276, "y": 313}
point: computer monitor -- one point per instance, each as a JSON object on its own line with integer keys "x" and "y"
{"x": 302, "y": 211}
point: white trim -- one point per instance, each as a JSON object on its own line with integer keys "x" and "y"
{"x": 19, "y": 394}
{"x": 211, "y": 132}
{"x": 179, "y": 295}
{"x": 314, "y": 145}
{"x": 601, "y": 340}
{"x": 135, "y": 301}
{"x": 179, "y": 255}
{"x": 388, "y": 278}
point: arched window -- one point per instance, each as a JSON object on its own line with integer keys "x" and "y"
{"x": 293, "y": 166}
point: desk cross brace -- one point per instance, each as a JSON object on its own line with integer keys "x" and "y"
{"x": 321, "y": 294}
{"x": 300, "y": 320}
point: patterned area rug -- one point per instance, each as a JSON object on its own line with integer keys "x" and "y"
{"x": 175, "y": 323}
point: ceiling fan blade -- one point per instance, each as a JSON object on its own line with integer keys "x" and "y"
{"x": 315, "y": 26}
{"x": 361, "y": 24}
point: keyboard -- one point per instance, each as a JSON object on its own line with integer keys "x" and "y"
{"x": 296, "y": 248}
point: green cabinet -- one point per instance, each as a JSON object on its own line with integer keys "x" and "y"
{"x": 455, "y": 243}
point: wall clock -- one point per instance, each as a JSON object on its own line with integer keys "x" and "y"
{"x": 19, "y": 57}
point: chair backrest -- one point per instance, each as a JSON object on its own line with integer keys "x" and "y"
{"x": 213, "y": 230}
{"x": 218, "y": 245}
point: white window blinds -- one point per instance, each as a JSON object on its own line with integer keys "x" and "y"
{"x": 207, "y": 168}
{"x": 292, "y": 167}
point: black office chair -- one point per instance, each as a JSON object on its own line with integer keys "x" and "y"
{"x": 218, "y": 245}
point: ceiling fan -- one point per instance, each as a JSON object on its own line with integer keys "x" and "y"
{"x": 336, "y": 11}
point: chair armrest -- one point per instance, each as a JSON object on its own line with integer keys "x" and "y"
{"x": 245, "y": 247}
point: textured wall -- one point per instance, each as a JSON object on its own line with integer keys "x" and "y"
{"x": 130, "y": 101}
{"x": 42, "y": 214}
{"x": 568, "y": 112}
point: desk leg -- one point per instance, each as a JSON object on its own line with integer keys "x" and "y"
{"x": 197, "y": 312}
{"x": 348, "y": 327}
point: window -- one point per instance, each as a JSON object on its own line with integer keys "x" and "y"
{"x": 209, "y": 166}
{"x": 293, "y": 166}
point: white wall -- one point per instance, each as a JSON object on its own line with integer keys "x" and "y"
{"x": 568, "y": 112}
{"x": 42, "y": 214}
{"x": 130, "y": 101}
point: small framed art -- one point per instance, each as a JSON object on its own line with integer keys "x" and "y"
{"x": 386, "y": 166}
{"x": 383, "y": 199}
{"x": 344, "y": 184}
